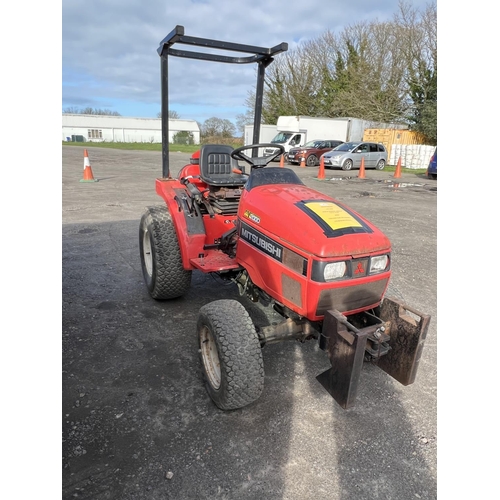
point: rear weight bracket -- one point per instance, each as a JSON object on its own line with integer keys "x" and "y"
{"x": 402, "y": 345}
{"x": 346, "y": 350}
{"x": 407, "y": 333}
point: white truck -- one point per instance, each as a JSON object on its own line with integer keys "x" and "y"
{"x": 295, "y": 131}
{"x": 267, "y": 134}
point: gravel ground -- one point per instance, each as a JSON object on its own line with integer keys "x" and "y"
{"x": 136, "y": 419}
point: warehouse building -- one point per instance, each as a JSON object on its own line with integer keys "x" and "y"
{"x": 105, "y": 128}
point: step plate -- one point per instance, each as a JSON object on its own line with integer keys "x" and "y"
{"x": 214, "y": 261}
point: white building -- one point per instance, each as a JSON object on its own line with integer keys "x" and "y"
{"x": 105, "y": 128}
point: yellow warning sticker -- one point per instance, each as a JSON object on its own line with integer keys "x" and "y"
{"x": 333, "y": 215}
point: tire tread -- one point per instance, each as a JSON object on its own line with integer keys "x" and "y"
{"x": 171, "y": 280}
{"x": 240, "y": 354}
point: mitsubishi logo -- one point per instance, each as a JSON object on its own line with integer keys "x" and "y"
{"x": 359, "y": 269}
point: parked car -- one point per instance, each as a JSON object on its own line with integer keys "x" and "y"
{"x": 349, "y": 155}
{"x": 311, "y": 151}
{"x": 432, "y": 169}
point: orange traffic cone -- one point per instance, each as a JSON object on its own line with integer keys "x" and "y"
{"x": 282, "y": 161}
{"x": 321, "y": 173}
{"x": 88, "y": 176}
{"x": 397, "y": 173}
{"x": 361, "y": 174}
{"x": 303, "y": 162}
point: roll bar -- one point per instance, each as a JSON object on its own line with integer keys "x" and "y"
{"x": 260, "y": 55}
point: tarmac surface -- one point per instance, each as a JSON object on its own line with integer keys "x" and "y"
{"x": 137, "y": 422}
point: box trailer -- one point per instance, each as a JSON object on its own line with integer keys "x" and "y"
{"x": 267, "y": 134}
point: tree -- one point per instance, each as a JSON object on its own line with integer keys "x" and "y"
{"x": 72, "y": 110}
{"x": 376, "y": 71}
{"x": 91, "y": 111}
{"x": 217, "y": 127}
{"x": 183, "y": 137}
{"x": 171, "y": 114}
{"x": 421, "y": 49}
{"x": 243, "y": 119}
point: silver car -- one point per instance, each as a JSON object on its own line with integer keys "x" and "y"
{"x": 348, "y": 156}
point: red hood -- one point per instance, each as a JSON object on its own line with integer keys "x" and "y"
{"x": 311, "y": 221}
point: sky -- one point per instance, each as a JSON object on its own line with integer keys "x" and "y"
{"x": 110, "y": 59}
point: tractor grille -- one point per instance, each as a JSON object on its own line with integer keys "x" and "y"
{"x": 351, "y": 298}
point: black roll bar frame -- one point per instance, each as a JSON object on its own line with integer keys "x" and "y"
{"x": 260, "y": 55}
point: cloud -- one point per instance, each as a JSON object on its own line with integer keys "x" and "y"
{"x": 109, "y": 48}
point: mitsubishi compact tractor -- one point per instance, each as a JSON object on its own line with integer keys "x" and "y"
{"x": 323, "y": 267}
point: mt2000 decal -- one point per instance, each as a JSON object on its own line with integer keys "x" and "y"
{"x": 251, "y": 216}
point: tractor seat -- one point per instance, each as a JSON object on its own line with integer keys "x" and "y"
{"x": 216, "y": 166}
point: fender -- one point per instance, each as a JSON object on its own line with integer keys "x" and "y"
{"x": 190, "y": 229}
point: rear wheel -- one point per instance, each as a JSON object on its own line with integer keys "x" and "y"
{"x": 347, "y": 165}
{"x": 231, "y": 355}
{"x": 380, "y": 165}
{"x": 161, "y": 259}
{"x": 312, "y": 161}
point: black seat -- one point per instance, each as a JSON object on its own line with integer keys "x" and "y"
{"x": 216, "y": 166}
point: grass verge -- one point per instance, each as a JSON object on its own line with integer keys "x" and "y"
{"x": 141, "y": 146}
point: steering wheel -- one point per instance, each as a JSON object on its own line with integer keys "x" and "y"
{"x": 259, "y": 161}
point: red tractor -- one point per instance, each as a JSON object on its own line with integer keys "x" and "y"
{"x": 323, "y": 267}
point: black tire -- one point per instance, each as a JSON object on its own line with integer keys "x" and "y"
{"x": 231, "y": 355}
{"x": 161, "y": 259}
{"x": 380, "y": 165}
{"x": 347, "y": 165}
{"x": 312, "y": 161}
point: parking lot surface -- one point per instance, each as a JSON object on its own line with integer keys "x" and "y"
{"x": 137, "y": 421}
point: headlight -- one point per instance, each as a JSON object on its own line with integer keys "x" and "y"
{"x": 334, "y": 159}
{"x": 378, "y": 264}
{"x": 334, "y": 270}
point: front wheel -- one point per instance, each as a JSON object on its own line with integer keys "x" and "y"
{"x": 347, "y": 165}
{"x": 231, "y": 355}
{"x": 380, "y": 165}
{"x": 161, "y": 259}
{"x": 312, "y": 161}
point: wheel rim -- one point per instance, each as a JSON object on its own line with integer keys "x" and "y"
{"x": 381, "y": 165}
{"x": 210, "y": 357}
{"x": 348, "y": 165}
{"x": 148, "y": 257}
{"x": 311, "y": 161}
